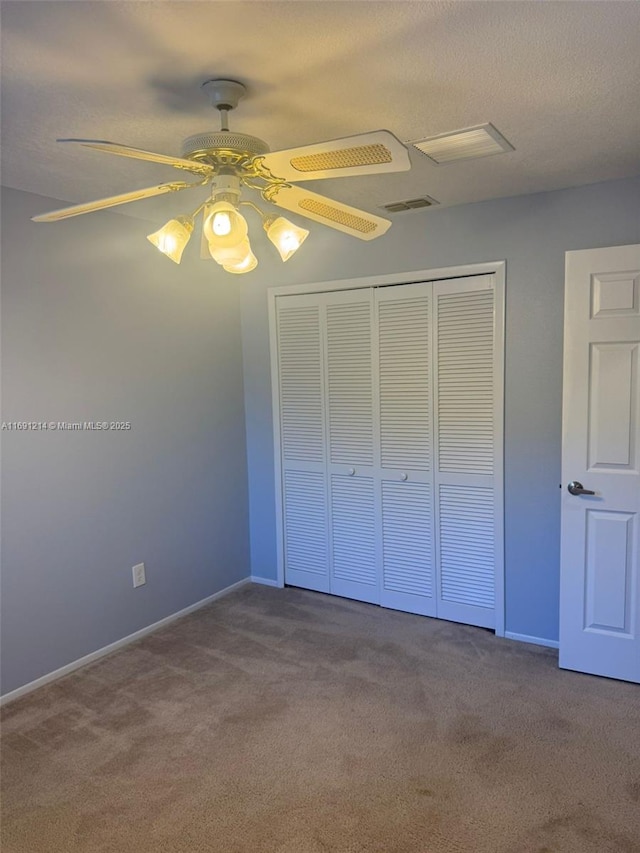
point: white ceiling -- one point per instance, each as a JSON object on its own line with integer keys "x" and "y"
{"x": 560, "y": 80}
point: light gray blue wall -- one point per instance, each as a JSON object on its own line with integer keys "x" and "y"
{"x": 531, "y": 233}
{"x": 97, "y": 325}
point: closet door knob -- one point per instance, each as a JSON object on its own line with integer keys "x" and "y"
{"x": 351, "y": 472}
{"x": 404, "y": 476}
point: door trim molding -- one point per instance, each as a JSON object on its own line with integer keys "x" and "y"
{"x": 411, "y": 277}
{"x": 495, "y": 268}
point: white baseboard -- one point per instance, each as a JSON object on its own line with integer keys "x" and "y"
{"x": 264, "y": 581}
{"x": 112, "y": 647}
{"x": 537, "y": 641}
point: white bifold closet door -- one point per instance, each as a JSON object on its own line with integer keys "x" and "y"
{"x": 466, "y": 416}
{"x": 386, "y": 427}
{"x": 408, "y": 579}
{"x": 353, "y": 505}
{"x": 305, "y": 516}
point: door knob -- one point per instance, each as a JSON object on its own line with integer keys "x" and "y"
{"x": 404, "y": 476}
{"x": 351, "y": 472}
{"x": 576, "y": 488}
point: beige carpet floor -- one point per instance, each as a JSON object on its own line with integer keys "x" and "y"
{"x": 292, "y": 722}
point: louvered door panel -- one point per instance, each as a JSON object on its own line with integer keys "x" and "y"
{"x": 350, "y": 428}
{"x": 404, "y": 341}
{"x": 302, "y": 442}
{"x": 465, "y": 382}
{"x": 305, "y": 530}
{"x": 467, "y": 547}
{"x": 349, "y": 379}
{"x": 408, "y": 570}
{"x": 405, "y": 447}
{"x": 300, "y": 363}
{"x": 354, "y": 534}
{"x": 465, "y": 449}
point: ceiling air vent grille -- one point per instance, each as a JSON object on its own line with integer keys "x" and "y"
{"x": 409, "y": 204}
{"x": 468, "y": 144}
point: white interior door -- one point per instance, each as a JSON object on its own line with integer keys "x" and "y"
{"x": 600, "y": 555}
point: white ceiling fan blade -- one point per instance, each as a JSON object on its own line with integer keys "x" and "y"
{"x": 140, "y": 154}
{"x": 111, "y": 201}
{"x": 363, "y": 154}
{"x": 351, "y": 220}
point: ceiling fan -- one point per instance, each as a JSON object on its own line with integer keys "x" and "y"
{"x": 227, "y": 161}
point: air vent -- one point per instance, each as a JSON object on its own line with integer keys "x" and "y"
{"x": 469, "y": 144}
{"x": 410, "y": 204}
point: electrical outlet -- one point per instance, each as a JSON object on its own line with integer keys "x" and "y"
{"x": 139, "y": 577}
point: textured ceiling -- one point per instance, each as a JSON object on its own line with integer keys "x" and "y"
{"x": 560, "y": 80}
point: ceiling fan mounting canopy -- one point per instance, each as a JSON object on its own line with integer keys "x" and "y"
{"x": 225, "y": 94}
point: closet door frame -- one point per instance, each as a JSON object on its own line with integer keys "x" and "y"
{"x": 495, "y": 268}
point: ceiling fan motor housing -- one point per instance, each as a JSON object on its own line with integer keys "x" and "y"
{"x": 223, "y": 147}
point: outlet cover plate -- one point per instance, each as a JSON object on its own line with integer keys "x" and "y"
{"x": 139, "y": 577}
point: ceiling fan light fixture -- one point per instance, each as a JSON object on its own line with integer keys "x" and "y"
{"x": 248, "y": 263}
{"x": 285, "y": 236}
{"x": 173, "y": 237}
{"x": 224, "y": 226}
{"x": 230, "y": 256}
